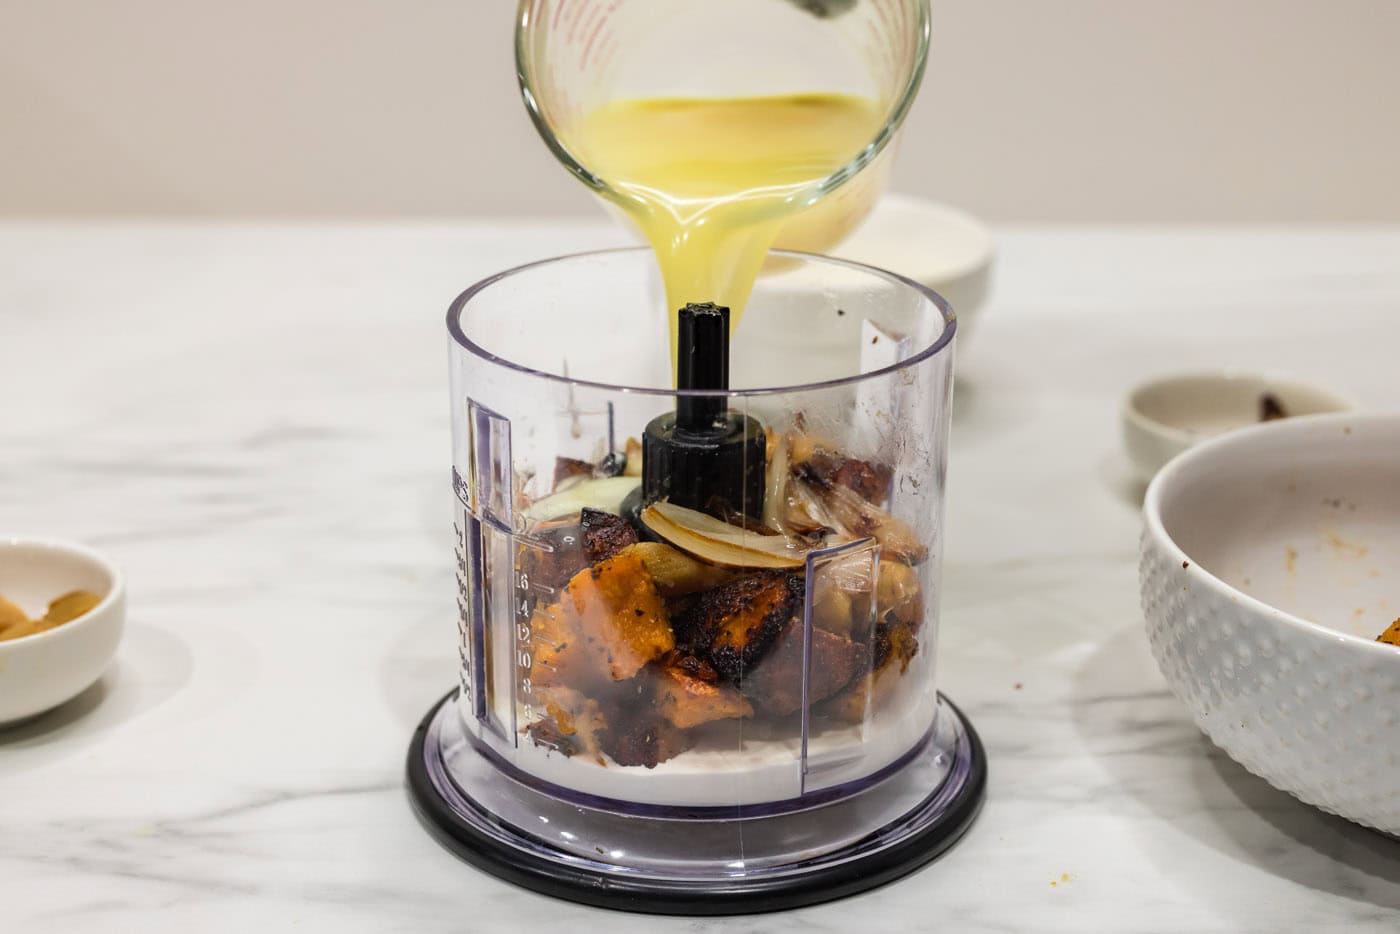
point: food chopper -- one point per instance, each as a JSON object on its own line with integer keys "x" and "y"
{"x": 698, "y": 607}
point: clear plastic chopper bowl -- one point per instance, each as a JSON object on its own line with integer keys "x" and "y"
{"x": 688, "y": 710}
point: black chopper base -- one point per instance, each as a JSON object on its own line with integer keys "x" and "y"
{"x": 833, "y": 876}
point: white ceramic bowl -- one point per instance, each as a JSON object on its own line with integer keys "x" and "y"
{"x": 1164, "y": 416}
{"x": 937, "y": 246}
{"x": 1270, "y": 562}
{"x": 41, "y": 671}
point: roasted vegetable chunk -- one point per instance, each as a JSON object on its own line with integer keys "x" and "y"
{"x": 871, "y": 482}
{"x": 604, "y": 534}
{"x": 864, "y": 695}
{"x": 685, "y": 698}
{"x": 643, "y": 739}
{"x": 843, "y": 596}
{"x": 568, "y": 468}
{"x": 607, "y": 624}
{"x": 775, "y": 684}
{"x": 572, "y": 725}
{"x": 735, "y": 624}
{"x": 545, "y": 732}
{"x": 677, "y": 573}
{"x": 893, "y": 648}
{"x": 899, "y": 598}
{"x": 692, "y": 666}
{"x": 894, "y": 643}
{"x": 555, "y": 555}
{"x": 860, "y": 518}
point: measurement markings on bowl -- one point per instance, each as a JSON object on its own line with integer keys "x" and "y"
{"x": 529, "y": 592}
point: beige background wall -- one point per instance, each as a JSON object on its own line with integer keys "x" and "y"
{"x": 1081, "y": 110}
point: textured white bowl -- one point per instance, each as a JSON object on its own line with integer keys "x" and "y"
{"x": 1164, "y": 416}
{"x": 41, "y": 671}
{"x": 1270, "y": 562}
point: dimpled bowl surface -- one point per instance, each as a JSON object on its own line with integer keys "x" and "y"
{"x": 1270, "y": 560}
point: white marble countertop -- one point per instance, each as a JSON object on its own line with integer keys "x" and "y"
{"x": 253, "y": 420}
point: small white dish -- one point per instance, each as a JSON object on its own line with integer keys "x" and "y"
{"x": 1164, "y": 416}
{"x": 937, "y": 246}
{"x": 1268, "y": 567}
{"x": 39, "y": 672}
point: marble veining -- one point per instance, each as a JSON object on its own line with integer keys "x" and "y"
{"x": 253, "y": 421}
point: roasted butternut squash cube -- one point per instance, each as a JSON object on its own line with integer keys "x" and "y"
{"x": 608, "y": 623}
{"x": 686, "y": 700}
{"x": 735, "y": 624}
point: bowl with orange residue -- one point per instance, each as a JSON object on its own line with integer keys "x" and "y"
{"x": 62, "y": 612}
{"x": 1270, "y": 570}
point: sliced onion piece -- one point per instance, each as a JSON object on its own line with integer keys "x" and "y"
{"x": 709, "y": 539}
{"x": 605, "y": 493}
{"x": 805, "y": 515}
{"x": 859, "y": 518}
{"x": 776, "y": 483}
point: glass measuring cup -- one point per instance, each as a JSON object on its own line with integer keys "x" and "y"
{"x": 595, "y": 746}
{"x": 574, "y": 56}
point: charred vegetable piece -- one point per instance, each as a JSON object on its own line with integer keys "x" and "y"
{"x": 735, "y": 624}
{"x": 692, "y": 666}
{"x": 895, "y": 643}
{"x": 557, "y": 557}
{"x": 775, "y": 684}
{"x": 604, "y": 534}
{"x": 686, "y": 700}
{"x": 547, "y": 733}
{"x": 871, "y": 482}
{"x": 568, "y": 468}
{"x": 645, "y": 739}
{"x": 575, "y": 721}
{"x": 608, "y": 623}
{"x": 862, "y": 519}
{"x": 677, "y": 573}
